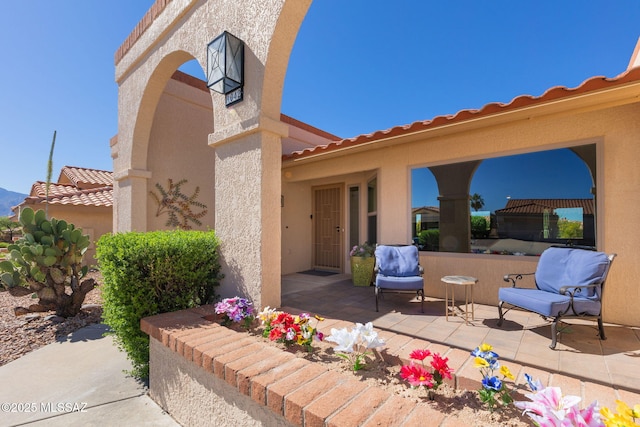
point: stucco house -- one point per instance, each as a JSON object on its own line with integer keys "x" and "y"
{"x": 283, "y": 202}
{"x": 81, "y": 196}
{"x": 522, "y": 219}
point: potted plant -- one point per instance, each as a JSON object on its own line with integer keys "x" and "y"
{"x": 362, "y": 264}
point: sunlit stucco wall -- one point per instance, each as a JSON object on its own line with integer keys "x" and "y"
{"x": 614, "y": 129}
{"x": 179, "y": 150}
{"x": 246, "y": 138}
{"x": 93, "y": 220}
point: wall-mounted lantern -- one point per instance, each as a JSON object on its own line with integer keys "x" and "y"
{"x": 225, "y": 67}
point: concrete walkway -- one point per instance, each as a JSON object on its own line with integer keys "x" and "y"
{"x": 78, "y": 381}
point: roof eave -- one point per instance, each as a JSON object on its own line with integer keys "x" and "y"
{"x": 555, "y": 101}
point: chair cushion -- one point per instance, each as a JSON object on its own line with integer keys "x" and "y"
{"x": 398, "y": 261}
{"x": 399, "y": 283}
{"x": 547, "y": 303}
{"x": 560, "y": 267}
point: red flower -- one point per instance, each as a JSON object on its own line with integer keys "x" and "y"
{"x": 275, "y": 334}
{"x": 420, "y": 354}
{"x": 439, "y": 363}
{"x": 416, "y": 375}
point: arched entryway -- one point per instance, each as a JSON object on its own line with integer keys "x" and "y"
{"x": 245, "y": 138}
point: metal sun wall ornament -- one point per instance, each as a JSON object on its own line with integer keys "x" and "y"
{"x": 178, "y": 206}
{"x": 225, "y": 67}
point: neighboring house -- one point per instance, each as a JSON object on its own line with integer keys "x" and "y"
{"x": 537, "y": 219}
{"x": 283, "y": 214}
{"x": 425, "y": 218}
{"x": 82, "y": 197}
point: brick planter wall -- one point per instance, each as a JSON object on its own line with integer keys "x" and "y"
{"x": 206, "y": 374}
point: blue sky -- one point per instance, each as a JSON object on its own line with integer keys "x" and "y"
{"x": 357, "y": 66}
{"x": 555, "y": 174}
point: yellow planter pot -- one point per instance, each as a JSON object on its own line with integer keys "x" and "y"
{"x": 362, "y": 270}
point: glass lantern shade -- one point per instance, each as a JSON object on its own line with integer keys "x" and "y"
{"x": 225, "y": 63}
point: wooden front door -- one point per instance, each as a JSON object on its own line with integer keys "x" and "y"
{"x": 327, "y": 233}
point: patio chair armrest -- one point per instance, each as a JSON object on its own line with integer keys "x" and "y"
{"x": 514, "y": 277}
{"x": 420, "y": 270}
{"x": 573, "y": 290}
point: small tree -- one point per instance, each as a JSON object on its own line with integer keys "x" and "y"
{"x": 47, "y": 260}
{"x": 569, "y": 229}
{"x": 477, "y": 202}
{"x": 7, "y": 224}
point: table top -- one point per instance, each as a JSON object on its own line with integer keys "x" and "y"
{"x": 459, "y": 280}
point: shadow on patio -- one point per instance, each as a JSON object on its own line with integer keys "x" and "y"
{"x": 524, "y": 337}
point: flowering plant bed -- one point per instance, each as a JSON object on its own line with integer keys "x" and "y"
{"x": 375, "y": 368}
{"x": 275, "y": 375}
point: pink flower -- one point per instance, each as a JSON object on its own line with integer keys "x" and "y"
{"x": 439, "y": 363}
{"x": 420, "y": 354}
{"x": 416, "y": 375}
{"x": 549, "y": 407}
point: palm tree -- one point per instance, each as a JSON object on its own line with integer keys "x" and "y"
{"x": 477, "y": 202}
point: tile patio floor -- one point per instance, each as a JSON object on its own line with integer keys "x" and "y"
{"x": 524, "y": 338}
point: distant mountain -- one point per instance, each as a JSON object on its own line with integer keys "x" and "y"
{"x": 8, "y": 199}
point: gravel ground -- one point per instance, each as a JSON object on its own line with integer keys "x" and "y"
{"x": 20, "y": 335}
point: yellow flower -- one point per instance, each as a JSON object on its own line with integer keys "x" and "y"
{"x": 319, "y": 318}
{"x": 617, "y": 420}
{"x": 624, "y": 410}
{"x": 484, "y": 347}
{"x": 506, "y": 372}
{"x": 479, "y": 362}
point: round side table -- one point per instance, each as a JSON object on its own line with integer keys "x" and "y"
{"x": 467, "y": 282}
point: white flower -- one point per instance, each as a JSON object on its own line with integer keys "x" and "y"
{"x": 267, "y": 314}
{"x": 368, "y": 335}
{"x": 345, "y": 339}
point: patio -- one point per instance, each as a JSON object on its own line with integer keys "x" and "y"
{"x": 581, "y": 364}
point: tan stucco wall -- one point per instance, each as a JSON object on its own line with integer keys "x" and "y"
{"x": 179, "y": 149}
{"x": 614, "y": 129}
{"x": 246, "y": 137}
{"x": 297, "y": 224}
{"x": 179, "y": 386}
{"x": 94, "y": 221}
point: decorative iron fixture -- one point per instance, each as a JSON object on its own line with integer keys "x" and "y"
{"x": 225, "y": 67}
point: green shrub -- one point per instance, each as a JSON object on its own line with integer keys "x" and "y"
{"x": 430, "y": 239}
{"x": 4, "y": 244}
{"x": 479, "y": 227}
{"x": 151, "y": 273}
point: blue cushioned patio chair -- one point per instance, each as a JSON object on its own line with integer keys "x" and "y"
{"x": 569, "y": 284}
{"x": 398, "y": 270}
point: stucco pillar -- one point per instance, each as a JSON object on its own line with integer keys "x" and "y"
{"x": 130, "y": 192}
{"x": 247, "y": 214}
{"x": 454, "y": 182}
{"x": 393, "y": 204}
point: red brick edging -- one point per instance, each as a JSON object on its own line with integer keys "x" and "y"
{"x": 303, "y": 392}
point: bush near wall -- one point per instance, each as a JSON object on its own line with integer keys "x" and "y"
{"x": 479, "y": 227}
{"x": 429, "y": 240}
{"x": 151, "y": 273}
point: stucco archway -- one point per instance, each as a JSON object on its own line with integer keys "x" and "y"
{"x": 246, "y": 137}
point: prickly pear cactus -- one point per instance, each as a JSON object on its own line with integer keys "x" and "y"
{"x": 47, "y": 261}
